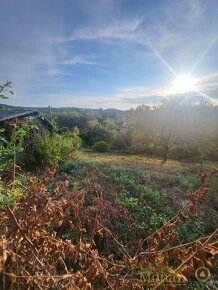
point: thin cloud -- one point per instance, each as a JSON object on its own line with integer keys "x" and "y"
{"x": 208, "y": 84}
{"x": 116, "y": 30}
{"x": 140, "y": 91}
{"x": 208, "y": 77}
{"x": 78, "y": 60}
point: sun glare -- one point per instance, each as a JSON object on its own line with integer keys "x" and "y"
{"x": 184, "y": 84}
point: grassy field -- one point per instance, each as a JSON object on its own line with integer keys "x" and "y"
{"x": 150, "y": 191}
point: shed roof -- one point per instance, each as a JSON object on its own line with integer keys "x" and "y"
{"x": 8, "y": 114}
{"x": 12, "y": 113}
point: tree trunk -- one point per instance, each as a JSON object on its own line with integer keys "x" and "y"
{"x": 165, "y": 154}
{"x": 166, "y": 148}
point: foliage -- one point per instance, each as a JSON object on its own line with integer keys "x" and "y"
{"x": 131, "y": 202}
{"x": 10, "y": 194}
{"x": 191, "y": 230}
{"x": 101, "y": 146}
{"x": 50, "y": 150}
{"x": 146, "y": 130}
{"x": 176, "y": 129}
{"x": 159, "y": 190}
{"x": 123, "y": 176}
{"x": 10, "y": 148}
{"x": 36, "y": 252}
{"x": 148, "y": 210}
{"x": 152, "y": 194}
{"x": 120, "y": 143}
{"x": 15, "y": 144}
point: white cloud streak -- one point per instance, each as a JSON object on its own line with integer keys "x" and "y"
{"x": 78, "y": 60}
{"x": 123, "y": 30}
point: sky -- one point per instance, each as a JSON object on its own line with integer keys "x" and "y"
{"x": 108, "y": 53}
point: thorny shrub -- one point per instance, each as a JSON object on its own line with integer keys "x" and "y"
{"x": 36, "y": 255}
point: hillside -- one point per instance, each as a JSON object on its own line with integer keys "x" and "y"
{"x": 79, "y": 208}
{"x": 110, "y": 113}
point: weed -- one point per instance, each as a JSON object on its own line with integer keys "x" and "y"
{"x": 122, "y": 177}
{"x": 190, "y": 230}
{"x": 11, "y": 195}
{"x": 131, "y": 202}
{"x": 157, "y": 220}
{"x": 151, "y": 194}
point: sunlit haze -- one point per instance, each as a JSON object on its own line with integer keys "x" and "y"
{"x": 184, "y": 84}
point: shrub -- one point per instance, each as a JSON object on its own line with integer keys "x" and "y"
{"x": 9, "y": 194}
{"x": 184, "y": 152}
{"x": 131, "y": 202}
{"x": 120, "y": 143}
{"x": 152, "y": 195}
{"x": 53, "y": 149}
{"x": 101, "y": 146}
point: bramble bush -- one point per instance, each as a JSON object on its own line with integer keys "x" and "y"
{"x": 51, "y": 150}
{"x": 101, "y": 147}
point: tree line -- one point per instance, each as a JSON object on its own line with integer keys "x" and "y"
{"x": 177, "y": 129}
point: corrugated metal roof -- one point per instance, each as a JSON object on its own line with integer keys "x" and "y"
{"x": 11, "y": 114}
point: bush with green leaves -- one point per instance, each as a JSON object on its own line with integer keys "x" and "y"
{"x": 130, "y": 202}
{"x": 51, "y": 150}
{"x": 10, "y": 194}
{"x": 12, "y": 146}
{"x": 101, "y": 146}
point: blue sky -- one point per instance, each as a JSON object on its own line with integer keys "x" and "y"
{"x": 106, "y": 53}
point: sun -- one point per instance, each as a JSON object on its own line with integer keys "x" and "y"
{"x": 184, "y": 84}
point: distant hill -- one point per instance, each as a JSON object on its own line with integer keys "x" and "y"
{"x": 111, "y": 112}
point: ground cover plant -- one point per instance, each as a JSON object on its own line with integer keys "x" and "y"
{"x": 151, "y": 192}
{"x": 75, "y": 229}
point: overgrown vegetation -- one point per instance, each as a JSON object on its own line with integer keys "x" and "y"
{"x": 73, "y": 241}
{"x": 151, "y": 193}
{"x": 51, "y": 150}
{"x": 84, "y": 220}
{"x": 176, "y": 129}
{"x": 101, "y": 146}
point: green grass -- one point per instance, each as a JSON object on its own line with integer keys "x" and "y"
{"x": 151, "y": 192}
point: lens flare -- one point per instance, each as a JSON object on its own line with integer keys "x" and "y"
{"x": 184, "y": 84}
